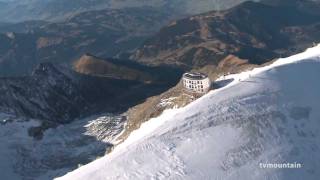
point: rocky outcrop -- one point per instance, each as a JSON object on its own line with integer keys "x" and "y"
{"x": 177, "y": 97}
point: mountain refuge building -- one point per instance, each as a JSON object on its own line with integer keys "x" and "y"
{"x": 196, "y": 82}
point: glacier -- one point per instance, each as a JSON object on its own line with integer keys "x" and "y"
{"x": 270, "y": 114}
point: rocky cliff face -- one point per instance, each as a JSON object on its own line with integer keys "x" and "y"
{"x": 253, "y": 31}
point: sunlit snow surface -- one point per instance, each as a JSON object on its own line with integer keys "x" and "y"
{"x": 267, "y": 115}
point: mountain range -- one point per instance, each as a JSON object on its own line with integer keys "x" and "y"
{"x": 104, "y": 33}
{"x": 257, "y": 32}
{"x": 56, "y": 10}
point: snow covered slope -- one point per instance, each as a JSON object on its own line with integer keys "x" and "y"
{"x": 268, "y": 115}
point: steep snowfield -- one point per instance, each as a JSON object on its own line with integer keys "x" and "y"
{"x": 268, "y": 115}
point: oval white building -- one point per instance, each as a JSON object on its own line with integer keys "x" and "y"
{"x": 196, "y": 82}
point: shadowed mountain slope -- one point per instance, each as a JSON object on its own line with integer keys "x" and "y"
{"x": 60, "y": 95}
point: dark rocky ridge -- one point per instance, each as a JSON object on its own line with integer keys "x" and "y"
{"x": 253, "y": 31}
{"x": 59, "y": 95}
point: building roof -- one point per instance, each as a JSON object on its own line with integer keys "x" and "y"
{"x": 195, "y": 76}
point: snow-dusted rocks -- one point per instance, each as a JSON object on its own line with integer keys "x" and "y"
{"x": 60, "y": 150}
{"x": 268, "y": 115}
